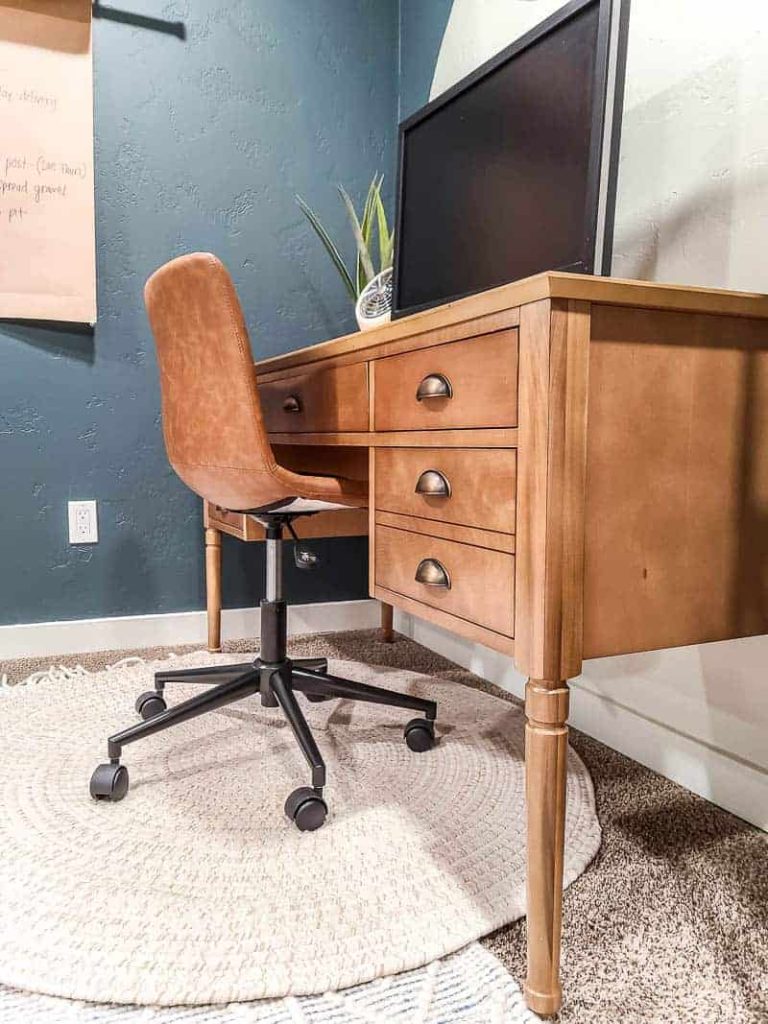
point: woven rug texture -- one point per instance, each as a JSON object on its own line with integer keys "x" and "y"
{"x": 468, "y": 987}
{"x": 196, "y": 889}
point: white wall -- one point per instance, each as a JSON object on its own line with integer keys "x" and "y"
{"x": 477, "y": 29}
{"x": 692, "y": 207}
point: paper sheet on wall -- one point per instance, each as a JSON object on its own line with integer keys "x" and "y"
{"x": 47, "y": 223}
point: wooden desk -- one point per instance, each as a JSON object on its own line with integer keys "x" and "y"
{"x": 593, "y": 481}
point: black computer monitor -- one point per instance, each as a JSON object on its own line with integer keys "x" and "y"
{"x": 513, "y": 170}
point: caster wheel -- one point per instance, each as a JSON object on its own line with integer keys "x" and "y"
{"x": 306, "y": 809}
{"x": 109, "y": 782}
{"x": 150, "y": 704}
{"x": 420, "y": 735}
{"x": 316, "y": 698}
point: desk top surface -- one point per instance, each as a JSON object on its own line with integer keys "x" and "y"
{"x": 549, "y": 285}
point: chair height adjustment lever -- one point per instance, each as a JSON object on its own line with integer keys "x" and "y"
{"x": 303, "y": 556}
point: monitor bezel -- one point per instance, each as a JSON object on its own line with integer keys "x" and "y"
{"x": 586, "y": 264}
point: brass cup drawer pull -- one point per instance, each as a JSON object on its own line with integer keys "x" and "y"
{"x": 434, "y": 484}
{"x": 434, "y": 385}
{"x": 432, "y": 573}
{"x": 292, "y": 404}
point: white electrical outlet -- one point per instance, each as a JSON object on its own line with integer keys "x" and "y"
{"x": 83, "y": 524}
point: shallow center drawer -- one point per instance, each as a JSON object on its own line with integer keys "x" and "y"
{"x": 474, "y": 583}
{"x": 467, "y": 486}
{"x": 470, "y": 383}
{"x": 322, "y": 400}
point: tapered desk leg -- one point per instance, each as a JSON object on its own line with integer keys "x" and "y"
{"x": 387, "y": 618}
{"x": 546, "y": 748}
{"x": 213, "y": 587}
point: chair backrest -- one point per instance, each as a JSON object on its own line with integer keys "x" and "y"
{"x": 212, "y": 422}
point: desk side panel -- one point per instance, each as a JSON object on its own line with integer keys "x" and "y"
{"x": 677, "y": 480}
{"x": 554, "y": 369}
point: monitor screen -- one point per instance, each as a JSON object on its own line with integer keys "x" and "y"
{"x": 500, "y": 177}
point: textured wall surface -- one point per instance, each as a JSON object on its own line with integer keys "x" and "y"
{"x": 201, "y": 143}
{"x": 691, "y": 204}
{"x": 421, "y": 32}
{"x": 477, "y": 30}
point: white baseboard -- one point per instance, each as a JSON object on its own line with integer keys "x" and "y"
{"x": 724, "y": 777}
{"x": 131, "y": 632}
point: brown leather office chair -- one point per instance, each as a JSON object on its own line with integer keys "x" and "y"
{"x": 217, "y": 443}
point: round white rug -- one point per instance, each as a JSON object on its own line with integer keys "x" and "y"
{"x": 196, "y": 889}
{"x": 468, "y": 987}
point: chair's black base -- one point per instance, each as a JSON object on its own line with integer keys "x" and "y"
{"x": 277, "y": 683}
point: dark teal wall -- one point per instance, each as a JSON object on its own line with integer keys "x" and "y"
{"x": 201, "y": 144}
{"x": 422, "y": 25}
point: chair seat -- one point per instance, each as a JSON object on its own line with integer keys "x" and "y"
{"x": 297, "y": 506}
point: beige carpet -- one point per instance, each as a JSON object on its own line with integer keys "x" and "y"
{"x": 196, "y": 889}
{"x": 668, "y": 925}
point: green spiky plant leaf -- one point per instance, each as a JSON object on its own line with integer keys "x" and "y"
{"x": 367, "y": 224}
{"x": 360, "y": 229}
{"x": 330, "y": 247}
{"x": 386, "y": 239}
{"x": 372, "y": 221}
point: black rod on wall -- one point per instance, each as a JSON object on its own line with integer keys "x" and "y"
{"x": 171, "y": 28}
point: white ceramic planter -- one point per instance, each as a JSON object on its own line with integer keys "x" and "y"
{"x": 374, "y": 305}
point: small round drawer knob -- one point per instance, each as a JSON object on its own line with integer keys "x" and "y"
{"x": 434, "y": 484}
{"x": 292, "y": 404}
{"x": 432, "y": 573}
{"x": 434, "y": 385}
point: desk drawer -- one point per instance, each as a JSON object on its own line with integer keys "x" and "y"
{"x": 482, "y": 581}
{"x": 480, "y": 375}
{"x": 329, "y": 400}
{"x": 467, "y": 486}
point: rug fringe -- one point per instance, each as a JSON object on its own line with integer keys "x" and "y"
{"x": 52, "y": 674}
{"x": 64, "y": 673}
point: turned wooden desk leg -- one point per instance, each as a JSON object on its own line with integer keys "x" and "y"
{"x": 213, "y": 587}
{"x": 387, "y": 618}
{"x": 546, "y": 749}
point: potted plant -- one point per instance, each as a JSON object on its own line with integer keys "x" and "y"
{"x": 369, "y": 288}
